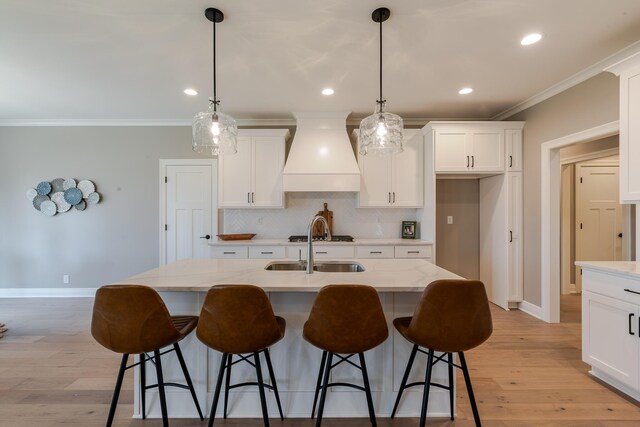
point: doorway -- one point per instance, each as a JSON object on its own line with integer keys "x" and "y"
{"x": 188, "y": 208}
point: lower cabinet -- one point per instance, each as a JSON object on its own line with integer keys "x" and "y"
{"x": 611, "y": 329}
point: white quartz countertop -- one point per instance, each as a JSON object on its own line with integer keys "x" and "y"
{"x": 626, "y": 268}
{"x": 386, "y": 275}
{"x": 285, "y": 242}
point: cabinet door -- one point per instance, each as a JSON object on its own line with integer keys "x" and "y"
{"x": 630, "y": 136}
{"x": 375, "y": 181}
{"x": 514, "y": 218}
{"x": 513, "y": 141}
{"x": 234, "y": 177}
{"x": 487, "y": 154}
{"x": 610, "y": 340}
{"x": 450, "y": 151}
{"x": 406, "y": 176}
{"x": 267, "y": 162}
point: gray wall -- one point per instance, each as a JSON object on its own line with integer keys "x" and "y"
{"x": 458, "y": 244}
{"x": 108, "y": 241}
{"x": 591, "y": 103}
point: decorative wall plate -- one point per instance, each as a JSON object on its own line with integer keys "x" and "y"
{"x": 61, "y": 204}
{"x": 39, "y": 199}
{"x": 86, "y": 187}
{"x": 69, "y": 183}
{"x": 48, "y": 208}
{"x": 73, "y": 196}
{"x": 81, "y": 206}
{"x": 31, "y": 194}
{"x": 44, "y": 188}
{"x": 93, "y": 198}
{"x": 57, "y": 185}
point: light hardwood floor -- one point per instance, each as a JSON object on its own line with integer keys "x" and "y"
{"x": 529, "y": 373}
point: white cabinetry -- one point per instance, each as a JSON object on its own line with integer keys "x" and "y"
{"x": 611, "y": 324}
{"x": 476, "y": 151}
{"x": 629, "y": 73}
{"x": 513, "y": 142}
{"x": 393, "y": 181}
{"x": 253, "y": 176}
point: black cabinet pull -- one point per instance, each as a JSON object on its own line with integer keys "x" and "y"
{"x": 394, "y": 197}
{"x": 620, "y": 235}
{"x": 321, "y": 252}
{"x": 229, "y": 253}
{"x": 510, "y": 236}
{"x": 630, "y": 331}
{"x": 253, "y": 197}
{"x": 206, "y": 236}
{"x": 413, "y": 252}
{"x": 510, "y": 161}
{"x": 375, "y": 252}
{"x": 467, "y": 161}
{"x": 389, "y": 197}
{"x": 473, "y": 161}
{"x": 633, "y": 292}
{"x": 267, "y": 252}
{"x": 248, "y": 197}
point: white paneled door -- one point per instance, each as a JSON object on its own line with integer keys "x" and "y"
{"x": 598, "y": 216}
{"x": 190, "y": 220}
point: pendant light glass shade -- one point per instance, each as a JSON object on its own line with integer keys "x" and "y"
{"x": 214, "y": 133}
{"x": 382, "y": 132}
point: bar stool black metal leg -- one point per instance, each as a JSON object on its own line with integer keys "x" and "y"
{"x": 216, "y": 393}
{"x": 263, "y": 399}
{"x": 273, "y": 381}
{"x": 163, "y": 398}
{"x": 143, "y": 384}
{"x": 187, "y": 377}
{"x": 367, "y": 390}
{"x": 467, "y": 380}
{"x": 319, "y": 383}
{"x": 227, "y": 384}
{"x": 451, "y": 385}
{"x": 427, "y": 385}
{"x": 116, "y": 390}
{"x": 405, "y": 377}
{"x": 325, "y": 382}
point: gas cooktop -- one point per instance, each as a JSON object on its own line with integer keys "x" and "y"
{"x": 335, "y": 238}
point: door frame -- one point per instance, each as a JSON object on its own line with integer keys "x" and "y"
{"x": 550, "y": 213}
{"x": 162, "y": 188}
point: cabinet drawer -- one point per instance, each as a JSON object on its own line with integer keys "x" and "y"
{"x": 413, "y": 251}
{"x": 322, "y": 252}
{"x": 374, "y": 252}
{"x": 266, "y": 252}
{"x": 230, "y": 252}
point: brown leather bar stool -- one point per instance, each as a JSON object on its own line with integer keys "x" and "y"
{"x": 239, "y": 320}
{"x": 132, "y": 319}
{"x": 453, "y": 316}
{"x": 345, "y": 320}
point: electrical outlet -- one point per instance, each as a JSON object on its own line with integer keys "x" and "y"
{"x": 65, "y": 279}
{"x": 259, "y": 220}
{"x": 449, "y": 219}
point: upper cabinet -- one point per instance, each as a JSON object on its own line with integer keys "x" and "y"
{"x": 476, "y": 147}
{"x": 629, "y": 73}
{"x": 252, "y": 178}
{"x": 396, "y": 180}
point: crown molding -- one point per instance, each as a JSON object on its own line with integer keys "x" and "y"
{"x": 574, "y": 80}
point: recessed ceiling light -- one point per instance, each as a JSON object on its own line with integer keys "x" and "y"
{"x": 328, "y": 91}
{"x": 465, "y": 91}
{"x": 531, "y": 39}
{"x": 191, "y": 92}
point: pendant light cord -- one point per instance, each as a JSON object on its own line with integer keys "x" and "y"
{"x": 215, "y": 97}
{"x": 381, "y": 101}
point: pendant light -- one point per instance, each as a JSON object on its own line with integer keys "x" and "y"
{"x": 381, "y": 132}
{"x": 214, "y": 132}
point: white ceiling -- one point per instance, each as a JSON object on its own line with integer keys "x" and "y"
{"x": 131, "y": 60}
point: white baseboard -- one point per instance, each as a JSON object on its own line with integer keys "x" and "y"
{"x": 530, "y": 309}
{"x": 47, "y": 292}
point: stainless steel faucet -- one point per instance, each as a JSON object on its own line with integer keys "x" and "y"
{"x": 310, "y": 239}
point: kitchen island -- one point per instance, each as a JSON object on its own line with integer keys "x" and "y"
{"x": 183, "y": 285}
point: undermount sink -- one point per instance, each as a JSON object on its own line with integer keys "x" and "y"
{"x": 321, "y": 267}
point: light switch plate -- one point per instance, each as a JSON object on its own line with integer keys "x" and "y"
{"x": 449, "y": 219}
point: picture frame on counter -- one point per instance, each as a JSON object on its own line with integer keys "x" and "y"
{"x": 409, "y": 229}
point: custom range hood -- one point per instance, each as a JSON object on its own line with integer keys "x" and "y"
{"x": 321, "y": 157}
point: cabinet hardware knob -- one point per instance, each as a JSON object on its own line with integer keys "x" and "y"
{"x": 620, "y": 235}
{"x": 630, "y": 331}
{"x": 206, "y": 236}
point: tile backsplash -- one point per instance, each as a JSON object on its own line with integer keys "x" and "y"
{"x": 361, "y": 223}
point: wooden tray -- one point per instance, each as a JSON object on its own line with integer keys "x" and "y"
{"x": 246, "y": 236}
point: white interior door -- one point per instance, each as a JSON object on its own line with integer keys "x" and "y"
{"x": 188, "y": 209}
{"x": 599, "y": 223}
